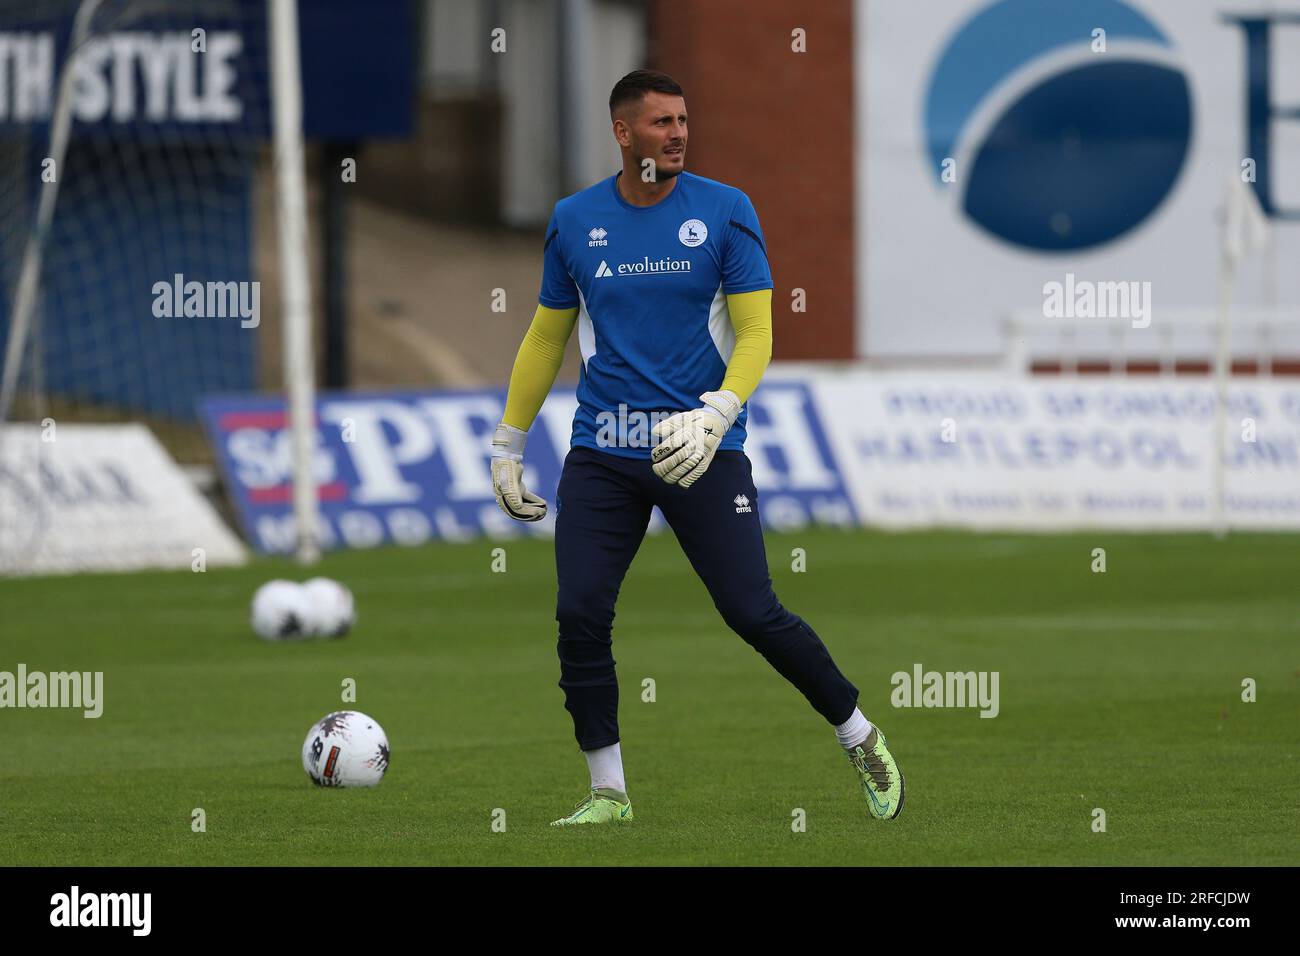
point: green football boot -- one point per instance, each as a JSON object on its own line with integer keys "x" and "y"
{"x": 882, "y": 784}
{"x": 600, "y": 806}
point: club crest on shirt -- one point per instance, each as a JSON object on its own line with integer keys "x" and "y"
{"x": 693, "y": 232}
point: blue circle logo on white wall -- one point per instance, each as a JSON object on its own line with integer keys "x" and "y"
{"x": 1059, "y": 145}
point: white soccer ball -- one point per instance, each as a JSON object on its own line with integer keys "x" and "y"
{"x": 281, "y": 611}
{"x": 332, "y": 610}
{"x": 345, "y": 749}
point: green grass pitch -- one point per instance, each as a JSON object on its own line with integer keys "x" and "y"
{"x": 1119, "y": 690}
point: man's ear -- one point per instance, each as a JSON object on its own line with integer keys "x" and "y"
{"x": 626, "y": 130}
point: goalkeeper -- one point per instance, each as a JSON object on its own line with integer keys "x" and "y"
{"x": 669, "y": 285}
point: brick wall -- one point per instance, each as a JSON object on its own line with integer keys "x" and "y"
{"x": 779, "y": 125}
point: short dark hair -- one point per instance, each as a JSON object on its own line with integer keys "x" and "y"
{"x": 633, "y": 87}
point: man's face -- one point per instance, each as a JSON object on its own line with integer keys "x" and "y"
{"x": 655, "y": 129}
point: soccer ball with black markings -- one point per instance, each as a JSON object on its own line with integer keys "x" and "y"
{"x": 345, "y": 749}
{"x": 331, "y": 609}
{"x": 281, "y": 611}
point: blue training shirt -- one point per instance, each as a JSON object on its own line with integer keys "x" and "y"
{"x": 650, "y": 284}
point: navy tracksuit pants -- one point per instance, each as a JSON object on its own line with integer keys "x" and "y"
{"x": 603, "y": 507}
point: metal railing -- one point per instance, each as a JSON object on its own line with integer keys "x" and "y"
{"x": 1174, "y": 338}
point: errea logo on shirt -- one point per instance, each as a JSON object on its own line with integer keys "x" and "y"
{"x": 644, "y": 267}
{"x": 597, "y": 237}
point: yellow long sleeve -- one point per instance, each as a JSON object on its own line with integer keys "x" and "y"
{"x": 537, "y": 363}
{"x": 751, "y": 318}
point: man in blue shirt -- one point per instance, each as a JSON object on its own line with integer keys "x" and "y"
{"x": 665, "y": 274}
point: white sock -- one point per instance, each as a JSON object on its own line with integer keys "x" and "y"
{"x": 606, "y": 766}
{"x": 853, "y": 731}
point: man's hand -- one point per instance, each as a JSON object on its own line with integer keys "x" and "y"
{"x": 688, "y": 441}
{"x": 508, "y": 475}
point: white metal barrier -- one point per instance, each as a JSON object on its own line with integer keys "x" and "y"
{"x": 1174, "y": 336}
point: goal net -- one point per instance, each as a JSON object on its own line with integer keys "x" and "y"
{"x": 131, "y": 133}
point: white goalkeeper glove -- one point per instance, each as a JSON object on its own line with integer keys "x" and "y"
{"x": 508, "y": 475}
{"x": 688, "y": 441}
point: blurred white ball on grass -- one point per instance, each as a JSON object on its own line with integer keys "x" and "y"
{"x": 281, "y": 611}
{"x": 286, "y": 610}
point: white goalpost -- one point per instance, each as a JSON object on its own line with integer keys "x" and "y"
{"x": 1245, "y": 231}
{"x": 33, "y": 252}
{"x": 291, "y": 219}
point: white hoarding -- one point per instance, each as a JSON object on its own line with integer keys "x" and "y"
{"x": 1002, "y": 145}
{"x": 990, "y": 452}
{"x": 101, "y": 498}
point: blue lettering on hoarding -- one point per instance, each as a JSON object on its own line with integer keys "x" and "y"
{"x": 412, "y": 467}
{"x": 1030, "y": 448}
